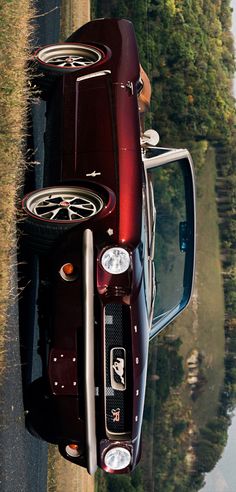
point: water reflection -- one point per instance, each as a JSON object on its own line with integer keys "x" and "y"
{"x": 223, "y": 476}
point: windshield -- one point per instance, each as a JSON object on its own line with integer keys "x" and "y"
{"x": 173, "y": 235}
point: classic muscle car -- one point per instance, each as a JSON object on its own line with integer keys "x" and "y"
{"x": 114, "y": 229}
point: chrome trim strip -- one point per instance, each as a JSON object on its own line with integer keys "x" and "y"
{"x": 172, "y": 155}
{"x": 88, "y": 309}
{"x": 93, "y": 75}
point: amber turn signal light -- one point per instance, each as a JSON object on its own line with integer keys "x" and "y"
{"x": 68, "y": 272}
{"x": 68, "y": 268}
{"x": 73, "y": 450}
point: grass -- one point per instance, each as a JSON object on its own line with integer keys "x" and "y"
{"x": 14, "y": 41}
{"x": 74, "y": 13}
{"x": 63, "y": 475}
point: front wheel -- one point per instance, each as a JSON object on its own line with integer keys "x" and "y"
{"x": 52, "y": 211}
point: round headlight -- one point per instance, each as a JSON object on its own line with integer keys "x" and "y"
{"x": 116, "y": 260}
{"x": 117, "y": 458}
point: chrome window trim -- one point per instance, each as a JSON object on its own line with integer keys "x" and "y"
{"x": 172, "y": 155}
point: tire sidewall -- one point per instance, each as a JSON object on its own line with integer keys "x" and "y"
{"x": 47, "y": 67}
{"x": 41, "y": 235}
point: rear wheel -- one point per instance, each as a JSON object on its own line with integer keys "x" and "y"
{"x": 55, "y": 60}
{"x": 67, "y": 57}
{"x": 52, "y": 211}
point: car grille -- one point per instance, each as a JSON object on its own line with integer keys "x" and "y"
{"x": 118, "y": 370}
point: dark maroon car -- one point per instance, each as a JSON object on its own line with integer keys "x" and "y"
{"x": 114, "y": 229}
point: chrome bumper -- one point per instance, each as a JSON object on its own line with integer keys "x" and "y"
{"x": 88, "y": 310}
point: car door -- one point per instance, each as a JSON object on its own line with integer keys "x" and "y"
{"x": 171, "y": 216}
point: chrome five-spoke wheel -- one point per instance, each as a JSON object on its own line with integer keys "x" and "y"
{"x": 68, "y": 56}
{"x": 59, "y": 204}
{"x": 50, "y": 212}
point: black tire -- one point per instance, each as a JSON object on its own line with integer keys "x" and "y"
{"x": 39, "y": 412}
{"x": 40, "y": 238}
{"x": 43, "y": 82}
{"x": 40, "y": 235}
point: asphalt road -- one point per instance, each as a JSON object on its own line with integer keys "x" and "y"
{"x": 23, "y": 458}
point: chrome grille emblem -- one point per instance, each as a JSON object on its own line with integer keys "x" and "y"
{"x": 115, "y": 415}
{"x": 118, "y": 368}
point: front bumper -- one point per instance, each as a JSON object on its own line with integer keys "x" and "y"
{"x": 87, "y": 407}
{"x": 89, "y": 386}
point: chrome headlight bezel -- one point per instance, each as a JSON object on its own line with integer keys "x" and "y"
{"x": 115, "y": 260}
{"x": 117, "y": 458}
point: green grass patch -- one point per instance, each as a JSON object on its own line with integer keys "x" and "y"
{"x": 74, "y": 13}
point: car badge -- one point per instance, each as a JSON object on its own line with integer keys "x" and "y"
{"x": 93, "y": 174}
{"x": 116, "y": 414}
{"x": 118, "y": 368}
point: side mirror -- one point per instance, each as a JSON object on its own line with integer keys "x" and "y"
{"x": 150, "y": 138}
